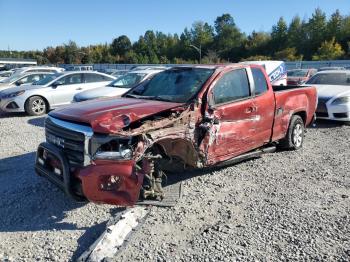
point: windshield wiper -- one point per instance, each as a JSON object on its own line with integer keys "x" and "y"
{"x": 159, "y": 98}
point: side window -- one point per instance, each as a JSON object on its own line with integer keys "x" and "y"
{"x": 106, "y": 78}
{"x": 33, "y": 78}
{"x": 70, "y": 80}
{"x": 24, "y": 80}
{"x": 91, "y": 78}
{"x": 259, "y": 80}
{"x": 232, "y": 86}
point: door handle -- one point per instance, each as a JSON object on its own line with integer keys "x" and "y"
{"x": 79, "y": 88}
{"x": 250, "y": 109}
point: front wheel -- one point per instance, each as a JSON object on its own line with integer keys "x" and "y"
{"x": 35, "y": 106}
{"x": 295, "y": 135}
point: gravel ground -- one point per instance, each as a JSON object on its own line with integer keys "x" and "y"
{"x": 283, "y": 206}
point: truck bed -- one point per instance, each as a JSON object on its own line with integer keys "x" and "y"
{"x": 292, "y": 100}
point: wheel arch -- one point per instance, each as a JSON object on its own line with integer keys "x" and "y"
{"x": 302, "y": 114}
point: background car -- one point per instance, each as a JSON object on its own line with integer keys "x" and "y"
{"x": 18, "y": 80}
{"x": 328, "y": 68}
{"x": 333, "y": 89}
{"x": 119, "y": 86}
{"x": 36, "y": 69}
{"x": 5, "y": 74}
{"x": 51, "y": 92}
{"x": 297, "y": 77}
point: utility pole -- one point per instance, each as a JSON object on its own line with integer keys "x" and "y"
{"x": 199, "y": 50}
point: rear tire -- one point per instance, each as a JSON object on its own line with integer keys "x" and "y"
{"x": 35, "y": 106}
{"x": 295, "y": 135}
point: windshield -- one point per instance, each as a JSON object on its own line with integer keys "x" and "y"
{"x": 297, "y": 73}
{"x": 128, "y": 80}
{"x": 11, "y": 79}
{"x": 174, "y": 85}
{"x": 330, "y": 79}
{"x": 47, "y": 79}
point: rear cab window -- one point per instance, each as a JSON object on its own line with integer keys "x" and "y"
{"x": 259, "y": 81}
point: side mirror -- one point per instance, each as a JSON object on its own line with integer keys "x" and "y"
{"x": 55, "y": 85}
{"x": 19, "y": 82}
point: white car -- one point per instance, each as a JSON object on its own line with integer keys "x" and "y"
{"x": 333, "y": 89}
{"x": 36, "y": 69}
{"x": 5, "y": 74}
{"x": 23, "y": 79}
{"x": 119, "y": 86}
{"x": 51, "y": 92}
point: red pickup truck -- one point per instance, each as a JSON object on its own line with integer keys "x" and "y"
{"x": 117, "y": 150}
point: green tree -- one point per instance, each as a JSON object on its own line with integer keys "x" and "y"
{"x": 258, "y": 44}
{"x": 315, "y": 32}
{"x": 279, "y": 35}
{"x": 329, "y": 50}
{"x": 288, "y": 54}
{"x": 120, "y": 45}
{"x": 228, "y": 40}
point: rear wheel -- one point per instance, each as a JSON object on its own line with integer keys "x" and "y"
{"x": 295, "y": 135}
{"x": 35, "y": 106}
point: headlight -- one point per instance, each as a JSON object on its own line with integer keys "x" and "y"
{"x": 341, "y": 100}
{"x": 14, "y": 94}
{"x": 110, "y": 148}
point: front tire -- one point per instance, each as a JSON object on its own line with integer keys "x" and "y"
{"x": 35, "y": 106}
{"x": 295, "y": 135}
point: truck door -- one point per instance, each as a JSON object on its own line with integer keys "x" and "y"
{"x": 231, "y": 115}
{"x": 264, "y": 102}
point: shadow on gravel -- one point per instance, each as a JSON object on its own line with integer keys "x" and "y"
{"x": 322, "y": 123}
{"x": 9, "y": 115}
{"x": 39, "y": 121}
{"x": 29, "y": 202}
{"x": 88, "y": 238}
{"x": 93, "y": 233}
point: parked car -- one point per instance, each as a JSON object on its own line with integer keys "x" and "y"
{"x": 5, "y": 74}
{"x": 51, "y": 92}
{"x": 276, "y": 70}
{"x": 116, "y": 150}
{"x": 333, "y": 89}
{"x": 23, "y": 79}
{"x": 36, "y": 69}
{"x": 119, "y": 86}
{"x": 328, "y": 68}
{"x": 119, "y": 73}
{"x": 297, "y": 77}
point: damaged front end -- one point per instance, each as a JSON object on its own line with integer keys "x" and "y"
{"x": 121, "y": 167}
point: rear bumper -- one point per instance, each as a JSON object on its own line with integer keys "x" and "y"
{"x": 108, "y": 182}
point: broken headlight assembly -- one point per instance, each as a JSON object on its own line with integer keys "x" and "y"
{"x": 111, "y": 148}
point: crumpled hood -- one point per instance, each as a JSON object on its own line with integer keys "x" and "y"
{"x": 105, "y": 91}
{"x": 109, "y": 115}
{"x": 329, "y": 91}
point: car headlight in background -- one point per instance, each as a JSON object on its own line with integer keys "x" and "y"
{"x": 109, "y": 148}
{"x": 341, "y": 100}
{"x": 14, "y": 94}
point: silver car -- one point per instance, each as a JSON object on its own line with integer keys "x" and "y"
{"x": 18, "y": 80}
{"x": 119, "y": 86}
{"x": 51, "y": 92}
